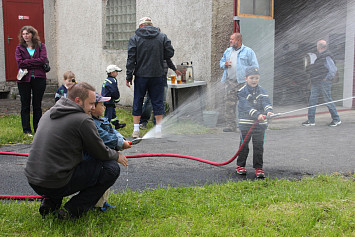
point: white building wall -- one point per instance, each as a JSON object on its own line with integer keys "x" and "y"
{"x": 188, "y": 24}
{"x": 349, "y": 54}
{"x": 79, "y": 27}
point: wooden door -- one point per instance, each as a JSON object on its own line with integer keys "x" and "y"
{"x": 19, "y": 13}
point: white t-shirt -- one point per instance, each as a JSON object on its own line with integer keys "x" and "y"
{"x": 232, "y": 70}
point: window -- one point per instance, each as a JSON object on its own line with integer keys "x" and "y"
{"x": 256, "y": 8}
{"x": 120, "y": 23}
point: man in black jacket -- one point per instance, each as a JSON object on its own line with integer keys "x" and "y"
{"x": 147, "y": 50}
{"x": 55, "y": 167}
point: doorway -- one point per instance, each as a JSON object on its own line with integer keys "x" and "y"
{"x": 18, "y": 13}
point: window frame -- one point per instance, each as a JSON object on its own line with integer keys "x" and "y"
{"x": 105, "y": 28}
{"x": 237, "y": 6}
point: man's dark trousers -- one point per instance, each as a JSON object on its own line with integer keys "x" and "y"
{"x": 91, "y": 178}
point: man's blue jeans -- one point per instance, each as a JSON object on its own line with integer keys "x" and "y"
{"x": 91, "y": 178}
{"x": 324, "y": 88}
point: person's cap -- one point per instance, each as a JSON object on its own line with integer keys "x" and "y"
{"x": 112, "y": 68}
{"x": 100, "y": 98}
{"x": 252, "y": 71}
{"x": 145, "y": 20}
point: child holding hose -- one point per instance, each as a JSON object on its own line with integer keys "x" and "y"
{"x": 111, "y": 137}
{"x": 254, "y": 105}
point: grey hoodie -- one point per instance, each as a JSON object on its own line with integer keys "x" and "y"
{"x": 63, "y": 133}
{"x": 147, "y": 50}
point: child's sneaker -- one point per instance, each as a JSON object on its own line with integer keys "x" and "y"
{"x": 259, "y": 173}
{"x": 106, "y": 206}
{"x": 241, "y": 170}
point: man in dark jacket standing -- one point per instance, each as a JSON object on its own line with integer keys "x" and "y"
{"x": 55, "y": 167}
{"x": 147, "y": 50}
{"x": 322, "y": 72}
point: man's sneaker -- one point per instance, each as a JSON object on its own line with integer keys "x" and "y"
{"x": 259, "y": 173}
{"x": 135, "y": 134}
{"x": 64, "y": 214}
{"x": 143, "y": 126}
{"x": 120, "y": 125}
{"x": 241, "y": 170}
{"x": 47, "y": 206}
{"x": 307, "y": 124}
{"x": 334, "y": 123}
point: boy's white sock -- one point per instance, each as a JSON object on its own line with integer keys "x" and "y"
{"x": 136, "y": 127}
{"x": 158, "y": 128}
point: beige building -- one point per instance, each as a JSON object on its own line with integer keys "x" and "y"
{"x": 86, "y": 36}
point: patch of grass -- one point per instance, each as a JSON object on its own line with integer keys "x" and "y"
{"x": 11, "y": 130}
{"x": 313, "y": 206}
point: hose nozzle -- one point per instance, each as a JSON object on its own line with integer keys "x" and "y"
{"x": 135, "y": 141}
{"x": 273, "y": 116}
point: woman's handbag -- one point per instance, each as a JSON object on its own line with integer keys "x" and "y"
{"x": 45, "y": 66}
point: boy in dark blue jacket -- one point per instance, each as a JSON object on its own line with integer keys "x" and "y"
{"x": 69, "y": 80}
{"x": 254, "y": 105}
{"x": 110, "y": 89}
{"x": 112, "y": 138}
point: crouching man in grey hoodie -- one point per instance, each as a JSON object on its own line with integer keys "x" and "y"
{"x": 55, "y": 167}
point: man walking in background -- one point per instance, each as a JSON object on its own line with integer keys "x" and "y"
{"x": 235, "y": 60}
{"x": 322, "y": 72}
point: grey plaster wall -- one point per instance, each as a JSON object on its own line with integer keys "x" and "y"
{"x": 349, "y": 55}
{"x": 2, "y": 49}
{"x": 222, "y": 28}
{"x": 79, "y": 44}
{"x": 50, "y": 36}
{"x": 188, "y": 24}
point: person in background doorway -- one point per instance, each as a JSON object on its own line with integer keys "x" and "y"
{"x": 110, "y": 89}
{"x": 69, "y": 80}
{"x": 147, "y": 50}
{"x": 31, "y": 54}
{"x": 322, "y": 71}
{"x": 254, "y": 105}
{"x": 234, "y": 61}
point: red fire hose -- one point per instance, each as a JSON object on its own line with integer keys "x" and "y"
{"x": 16, "y": 197}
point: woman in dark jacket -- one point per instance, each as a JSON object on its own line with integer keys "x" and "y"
{"x": 31, "y": 54}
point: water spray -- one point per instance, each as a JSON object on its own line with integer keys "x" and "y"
{"x": 296, "y": 110}
{"x": 138, "y": 140}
